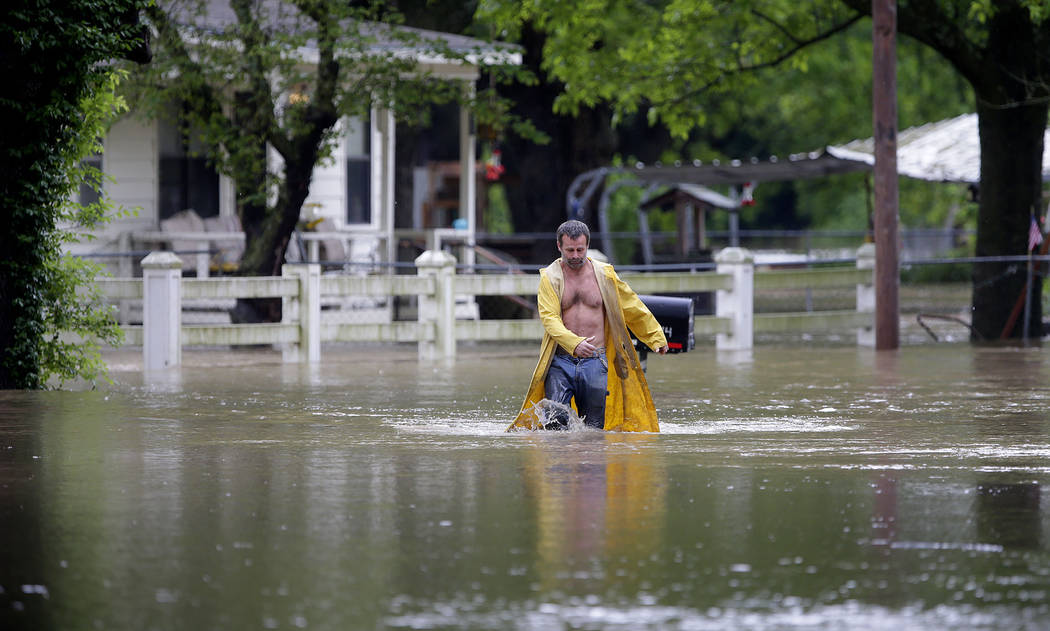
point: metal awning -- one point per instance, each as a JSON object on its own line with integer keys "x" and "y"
{"x": 944, "y": 151}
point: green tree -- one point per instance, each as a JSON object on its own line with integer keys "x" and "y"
{"x": 55, "y": 57}
{"x": 671, "y": 58}
{"x": 280, "y": 76}
{"x": 76, "y": 318}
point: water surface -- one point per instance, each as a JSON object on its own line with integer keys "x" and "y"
{"x": 790, "y": 488}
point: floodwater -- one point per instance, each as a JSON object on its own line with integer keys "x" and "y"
{"x": 792, "y": 487}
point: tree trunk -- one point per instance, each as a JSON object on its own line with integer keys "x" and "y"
{"x": 268, "y": 233}
{"x": 254, "y": 212}
{"x": 267, "y": 240}
{"x": 1011, "y": 157}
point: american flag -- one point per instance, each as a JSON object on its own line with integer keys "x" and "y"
{"x": 1035, "y": 236}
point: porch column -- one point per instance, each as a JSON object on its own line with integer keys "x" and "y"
{"x": 382, "y": 142}
{"x": 468, "y": 186}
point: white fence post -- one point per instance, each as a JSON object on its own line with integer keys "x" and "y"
{"x": 439, "y": 307}
{"x": 738, "y": 303}
{"x": 866, "y": 294}
{"x": 304, "y": 310}
{"x": 161, "y": 310}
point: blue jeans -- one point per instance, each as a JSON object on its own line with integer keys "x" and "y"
{"x": 584, "y": 378}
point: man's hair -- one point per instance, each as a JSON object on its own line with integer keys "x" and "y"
{"x": 573, "y": 229}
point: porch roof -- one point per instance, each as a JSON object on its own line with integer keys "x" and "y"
{"x": 422, "y": 44}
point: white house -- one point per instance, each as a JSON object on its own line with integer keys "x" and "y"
{"x": 154, "y": 174}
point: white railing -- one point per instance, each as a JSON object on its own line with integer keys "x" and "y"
{"x": 302, "y": 288}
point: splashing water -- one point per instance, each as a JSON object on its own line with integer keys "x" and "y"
{"x": 551, "y": 414}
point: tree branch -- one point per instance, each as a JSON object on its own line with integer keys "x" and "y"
{"x": 260, "y": 94}
{"x": 742, "y": 68}
{"x": 799, "y": 43}
{"x": 930, "y": 23}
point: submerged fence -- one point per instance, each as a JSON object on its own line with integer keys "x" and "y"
{"x": 437, "y": 289}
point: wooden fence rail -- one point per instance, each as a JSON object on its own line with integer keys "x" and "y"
{"x": 302, "y": 290}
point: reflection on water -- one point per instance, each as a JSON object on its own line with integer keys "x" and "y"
{"x": 595, "y": 502}
{"x": 790, "y": 488}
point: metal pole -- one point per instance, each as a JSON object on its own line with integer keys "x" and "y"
{"x": 1028, "y": 296}
{"x": 884, "y": 115}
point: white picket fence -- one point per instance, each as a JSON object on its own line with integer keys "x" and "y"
{"x": 302, "y": 289}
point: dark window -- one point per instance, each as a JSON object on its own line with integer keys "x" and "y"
{"x": 358, "y": 190}
{"x": 186, "y": 178}
{"x": 358, "y": 171}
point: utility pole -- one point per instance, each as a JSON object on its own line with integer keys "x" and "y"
{"x": 884, "y": 121}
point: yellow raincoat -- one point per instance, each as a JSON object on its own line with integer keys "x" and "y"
{"x": 629, "y": 406}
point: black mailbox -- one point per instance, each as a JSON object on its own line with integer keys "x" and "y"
{"x": 675, "y": 315}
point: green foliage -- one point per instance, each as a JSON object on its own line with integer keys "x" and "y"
{"x": 935, "y": 273}
{"x": 735, "y": 80}
{"x": 75, "y": 317}
{"x": 672, "y": 59}
{"x": 497, "y": 211}
{"x": 282, "y": 75}
{"x": 981, "y": 10}
{"x": 623, "y": 217}
{"x": 55, "y": 58}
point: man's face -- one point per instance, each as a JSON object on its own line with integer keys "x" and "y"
{"x": 573, "y": 250}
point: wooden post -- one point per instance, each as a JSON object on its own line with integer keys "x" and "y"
{"x": 738, "y": 303}
{"x": 701, "y": 227}
{"x": 866, "y": 294}
{"x": 438, "y": 307}
{"x": 884, "y": 115}
{"x": 304, "y": 310}
{"x": 161, "y": 311}
{"x": 681, "y": 213}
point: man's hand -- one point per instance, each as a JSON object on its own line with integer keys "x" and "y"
{"x": 662, "y": 350}
{"x": 585, "y": 348}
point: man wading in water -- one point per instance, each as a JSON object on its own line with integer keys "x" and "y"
{"x": 586, "y": 310}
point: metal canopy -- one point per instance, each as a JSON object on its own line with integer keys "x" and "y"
{"x": 944, "y": 151}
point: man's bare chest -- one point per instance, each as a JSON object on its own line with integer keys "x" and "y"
{"x": 581, "y": 291}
